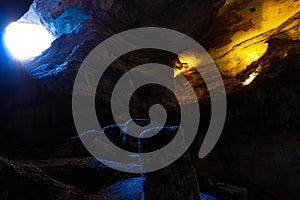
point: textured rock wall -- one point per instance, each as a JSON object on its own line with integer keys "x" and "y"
{"x": 260, "y": 142}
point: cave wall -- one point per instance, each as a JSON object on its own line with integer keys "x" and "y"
{"x": 260, "y": 142}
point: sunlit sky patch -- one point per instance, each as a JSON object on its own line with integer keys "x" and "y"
{"x": 25, "y": 40}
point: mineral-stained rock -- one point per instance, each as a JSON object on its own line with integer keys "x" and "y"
{"x": 246, "y": 52}
{"x": 240, "y": 32}
{"x": 21, "y": 181}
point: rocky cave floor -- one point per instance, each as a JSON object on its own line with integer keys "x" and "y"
{"x": 258, "y": 154}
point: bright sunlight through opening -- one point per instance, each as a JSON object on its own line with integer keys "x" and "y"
{"x": 25, "y": 41}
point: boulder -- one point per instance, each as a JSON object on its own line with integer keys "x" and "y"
{"x": 23, "y": 181}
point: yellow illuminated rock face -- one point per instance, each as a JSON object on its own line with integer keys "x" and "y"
{"x": 268, "y": 14}
{"x": 179, "y": 69}
{"x": 189, "y": 60}
{"x": 239, "y": 39}
{"x": 238, "y": 36}
{"x": 186, "y": 68}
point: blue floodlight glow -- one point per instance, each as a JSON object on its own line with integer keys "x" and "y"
{"x": 25, "y": 40}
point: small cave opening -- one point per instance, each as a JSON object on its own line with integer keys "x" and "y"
{"x": 34, "y": 32}
{"x": 26, "y": 40}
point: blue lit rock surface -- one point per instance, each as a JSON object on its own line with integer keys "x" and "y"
{"x": 59, "y": 17}
{"x": 123, "y": 190}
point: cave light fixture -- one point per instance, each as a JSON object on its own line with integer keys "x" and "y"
{"x": 180, "y": 68}
{"x": 250, "y": 79}
{"x": 186, "y": 61}
{"x": 26, "y": 40}
{"x": 252, "y": 76}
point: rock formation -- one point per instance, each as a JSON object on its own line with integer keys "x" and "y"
{"x": 256, "y": 47}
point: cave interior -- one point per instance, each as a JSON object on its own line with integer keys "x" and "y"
{"x": 254, "y": 44}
